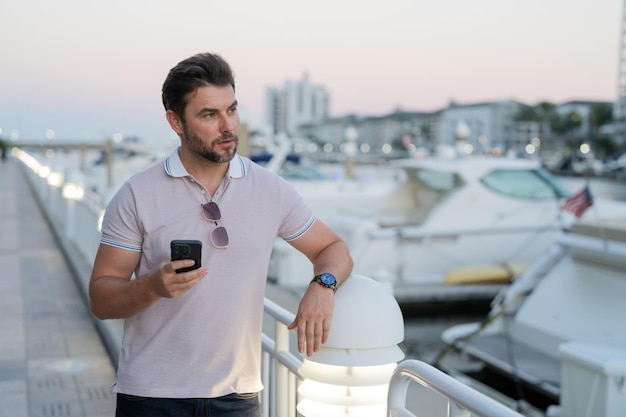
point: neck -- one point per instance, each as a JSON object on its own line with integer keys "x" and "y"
{"x": 209, "y": 173}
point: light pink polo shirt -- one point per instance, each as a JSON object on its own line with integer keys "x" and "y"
{"x": 207, "y": 342}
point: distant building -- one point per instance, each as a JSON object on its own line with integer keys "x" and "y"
{"x": 403, "y": 128}
{"x": 400, "y": 129}
{"x": 481, "y": 125}
{"x": 295, "y": 104}
{"x": 485, "y": 127}
{"x": 328, "y": 131}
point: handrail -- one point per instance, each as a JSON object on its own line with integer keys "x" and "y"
{"x": 279, "y": 369}
{"x": 462, "y": 399}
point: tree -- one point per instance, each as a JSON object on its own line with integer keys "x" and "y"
{"x": 566, "y": 124}
{"x": 604, "y": 146}
{"x": 600, "y": 115}
{"x": 526, "y": 114}
{"x": 3, "y": 149}
{"x": 543, "y": 114}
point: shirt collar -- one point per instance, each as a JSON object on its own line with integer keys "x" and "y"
{"x": 174, "y": 166}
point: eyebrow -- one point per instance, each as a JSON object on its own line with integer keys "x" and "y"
{"x": 206, "y": 110}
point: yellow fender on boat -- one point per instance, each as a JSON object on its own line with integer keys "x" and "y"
{"x": 484, "y": 274}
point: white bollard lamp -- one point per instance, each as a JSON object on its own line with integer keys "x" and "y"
{"x": 349, "y": 375}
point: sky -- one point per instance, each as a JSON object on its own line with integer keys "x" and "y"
{"x": 88, "y": 70}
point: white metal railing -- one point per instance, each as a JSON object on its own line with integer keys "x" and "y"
{"x": 76, "y": 222}
{"x": 279, "y": 368}
{"x": 76, "y": 219}
{"x": 462, "y": 401}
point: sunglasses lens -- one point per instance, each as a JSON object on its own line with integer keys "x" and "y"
{"x": 219, "y": 237}
{"x": 211, "y": 211}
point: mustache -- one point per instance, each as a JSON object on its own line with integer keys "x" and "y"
{"x": 226, "y": 137}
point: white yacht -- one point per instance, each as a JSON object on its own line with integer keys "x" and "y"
{"x": 453, "y": 229}
{"x": 555, "y": 339}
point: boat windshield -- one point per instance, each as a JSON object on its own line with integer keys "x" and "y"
{"x": 530, "y": 184}
{"x": 439, "y": 181}
{"x": 412, "y": 202}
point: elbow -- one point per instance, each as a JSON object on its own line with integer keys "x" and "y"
{"x": 98, "y": 304}
{"x": 348, "y": 256}
{"x": 98, "y": 311}
{"x": 349, "y": 266}
{"x": 348, "y": 262}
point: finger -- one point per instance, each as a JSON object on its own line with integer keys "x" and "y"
{"x": 190, "y": 279}
{"x": 325, "y": 331}
{"x": 302, "y": 336}
{"x": 183, "y": 263}
{"x": 314, "y": 336}
{"x": 197, "y": 274}
{"x": 182, "y": 282}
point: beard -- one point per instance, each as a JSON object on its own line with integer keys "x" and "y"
{"x": 197, "y": 146}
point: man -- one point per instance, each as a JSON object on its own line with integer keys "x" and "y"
{"x": 192, "y": 340}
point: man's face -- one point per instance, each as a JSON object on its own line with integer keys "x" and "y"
{"x": 211, "y": 123}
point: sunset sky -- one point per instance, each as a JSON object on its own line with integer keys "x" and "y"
{"x": 88, "y": 69}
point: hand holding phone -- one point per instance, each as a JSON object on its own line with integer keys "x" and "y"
{"x": 186, "y": 249}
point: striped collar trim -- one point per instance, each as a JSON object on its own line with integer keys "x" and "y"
{"x": 174, "y": 166}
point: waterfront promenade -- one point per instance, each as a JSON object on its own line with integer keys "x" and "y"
{"x": 52, "y": 359}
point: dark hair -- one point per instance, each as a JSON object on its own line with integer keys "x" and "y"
{"x": 197, "y": 71}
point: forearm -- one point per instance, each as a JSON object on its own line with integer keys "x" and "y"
{"x": 118, "y": 298}
{"x": 335, "y": 259}
{"x": 315, "y": 310}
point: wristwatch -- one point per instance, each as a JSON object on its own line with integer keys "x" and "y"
{"x": 326, "y": 280}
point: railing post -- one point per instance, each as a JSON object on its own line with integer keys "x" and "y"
{"x": 292, "y": 395}
{"x": 108, "y": 149}
{"x": 265, "y": 377}
{"x": 282, "y": 373}
{"x": 396, "y": 398}
{"x": 70, "y": 218}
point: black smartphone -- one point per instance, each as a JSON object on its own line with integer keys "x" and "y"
{"x": 187, "y": 249}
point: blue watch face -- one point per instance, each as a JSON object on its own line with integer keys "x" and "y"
{"x": 328, "y": 279}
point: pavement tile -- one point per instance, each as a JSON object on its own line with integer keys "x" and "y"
{"x": 13, "y": 398}
{"x": 52, "y": 359}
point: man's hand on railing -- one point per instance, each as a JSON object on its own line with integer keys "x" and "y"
{"x": 313, "y": 318}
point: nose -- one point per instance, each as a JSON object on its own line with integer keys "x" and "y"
{"x": 228, "y": 123}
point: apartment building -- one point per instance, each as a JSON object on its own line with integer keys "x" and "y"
{"x": 294, "y": 104}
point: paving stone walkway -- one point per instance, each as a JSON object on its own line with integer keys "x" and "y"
{"x": 52, "y": 359}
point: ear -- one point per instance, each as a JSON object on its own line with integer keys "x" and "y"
{"x": 174, "y": 120}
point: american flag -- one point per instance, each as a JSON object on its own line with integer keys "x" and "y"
{"x": 578, "y": 202}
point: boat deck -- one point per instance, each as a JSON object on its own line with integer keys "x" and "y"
{"x": 418, "y": 298}
{"x": 516, "y": 360}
